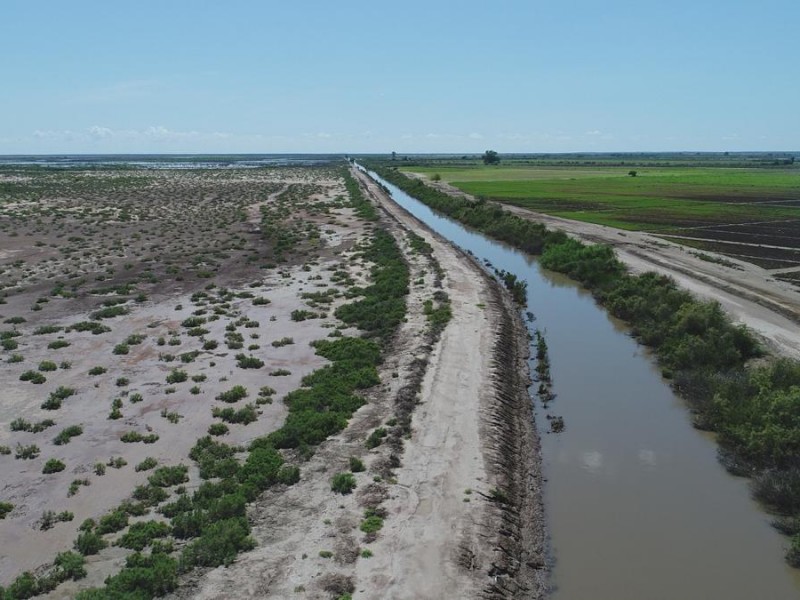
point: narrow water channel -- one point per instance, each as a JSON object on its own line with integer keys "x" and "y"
{"x": 637, "y": 506}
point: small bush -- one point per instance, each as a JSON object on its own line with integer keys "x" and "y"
{"x": 27, "y": 452}
{"x": 147, "y": 464}
{"x": 376, "y": 438}
{"x": 5, "y": 508}
{"x": 47, "y": 365}
{"x": 67, "y": 434}
{"x": 141, "y": 534}
{"x": 33, "y": 376}
{"x": 371, "y": 524}
{"x": 234, "y": 394}
{"x": 356, "y": 464}
{"x": 245, "y": 415}
{"x": 218, "y": 429}
{"x": 89, "y": 543}
{"x": 169, "y": 476}
{"x": 343, "y": 483}
{"x": 97, "y": 371}
{"x": 53, "y": 466}
{"x": 121, "y": 349}
{"x": 177, "y": 376}
{"x": 70, "y": 566}
{"x": 112, "y": 522}
{"x": 248, "y": 362}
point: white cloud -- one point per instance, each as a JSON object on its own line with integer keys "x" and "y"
{"x": 100, "y": 132}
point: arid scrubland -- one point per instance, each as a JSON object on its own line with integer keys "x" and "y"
{"x": 182, "y": 352}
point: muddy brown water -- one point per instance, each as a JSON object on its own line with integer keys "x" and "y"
{"x": 637, "y": 505}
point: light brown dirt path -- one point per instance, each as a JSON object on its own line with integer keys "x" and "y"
{"x": 748, "y": 293}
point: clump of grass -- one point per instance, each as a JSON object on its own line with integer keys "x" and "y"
{"x": 33, "y": 376}
{"x": 53, "y": 466}
{"x": 147, "y": 464}
{"x": 248, "y": 362}
{"x": 236, "y": 393}
{"x": 343, "y": 483}
{"x": 177, "y": 376}
{"x": 131, "y": 437}
{"x": 67, "y": 434}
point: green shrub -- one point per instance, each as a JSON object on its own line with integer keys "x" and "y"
{"x": 144, "y": 577}
{"x": 371, "y": 524}
{"x": 121, "y": 349}
{"x": 375, "y": 438}
{"x": 234, "y": 394}
{"x": 147, "y": 464}
{"x": 218, "y": 429}
{"x": 53, "y": 466}
{"x": 141, "y": 534}
{"x": 356, "y": 464}
{"x": 147, "y": 495}
{"x": 70, "y": 566}
{"x": 343, "y": 483}
{"x": 169, "y": 476}
{"x": 218, "y": 544}
{"x": 248, "y": 362}
{"x": 244, "y": 416}
{"x": 131, "y": 437}
{"x": 5, "y": 508}
{"x": 28, "y": 452}
{"x": 46, "y": 329}
{"x": 109, "y": 312}
{"x": 58, "y": 344}
{"x": 112, "y": 522}
{"x": 95, "y": 328}
{"x": 89, "y": 543}
{"x": 33, "y": 377}
{"x": 67, "y": 434}
{"x": 97, "y": 370}
{"x": 177, "y": 376}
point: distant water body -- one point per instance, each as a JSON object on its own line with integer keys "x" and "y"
{"x": 167, "y": 161}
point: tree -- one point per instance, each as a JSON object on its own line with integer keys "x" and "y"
{"x": 490, "y": 157}
{"x": 631, "y": 173}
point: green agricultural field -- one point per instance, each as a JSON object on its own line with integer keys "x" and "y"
{"x": 736, "y": 211}
{"x": 654, "y": 199}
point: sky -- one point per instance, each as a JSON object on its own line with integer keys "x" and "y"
{"x": 175, "y": 76}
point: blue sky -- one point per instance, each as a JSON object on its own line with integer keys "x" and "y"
{"x": 412, "y": 76}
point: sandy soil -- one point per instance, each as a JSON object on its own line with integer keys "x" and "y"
{"x": 750, "y": 294}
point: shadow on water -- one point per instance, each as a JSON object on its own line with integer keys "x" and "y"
{"x": 638, "y": 507}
